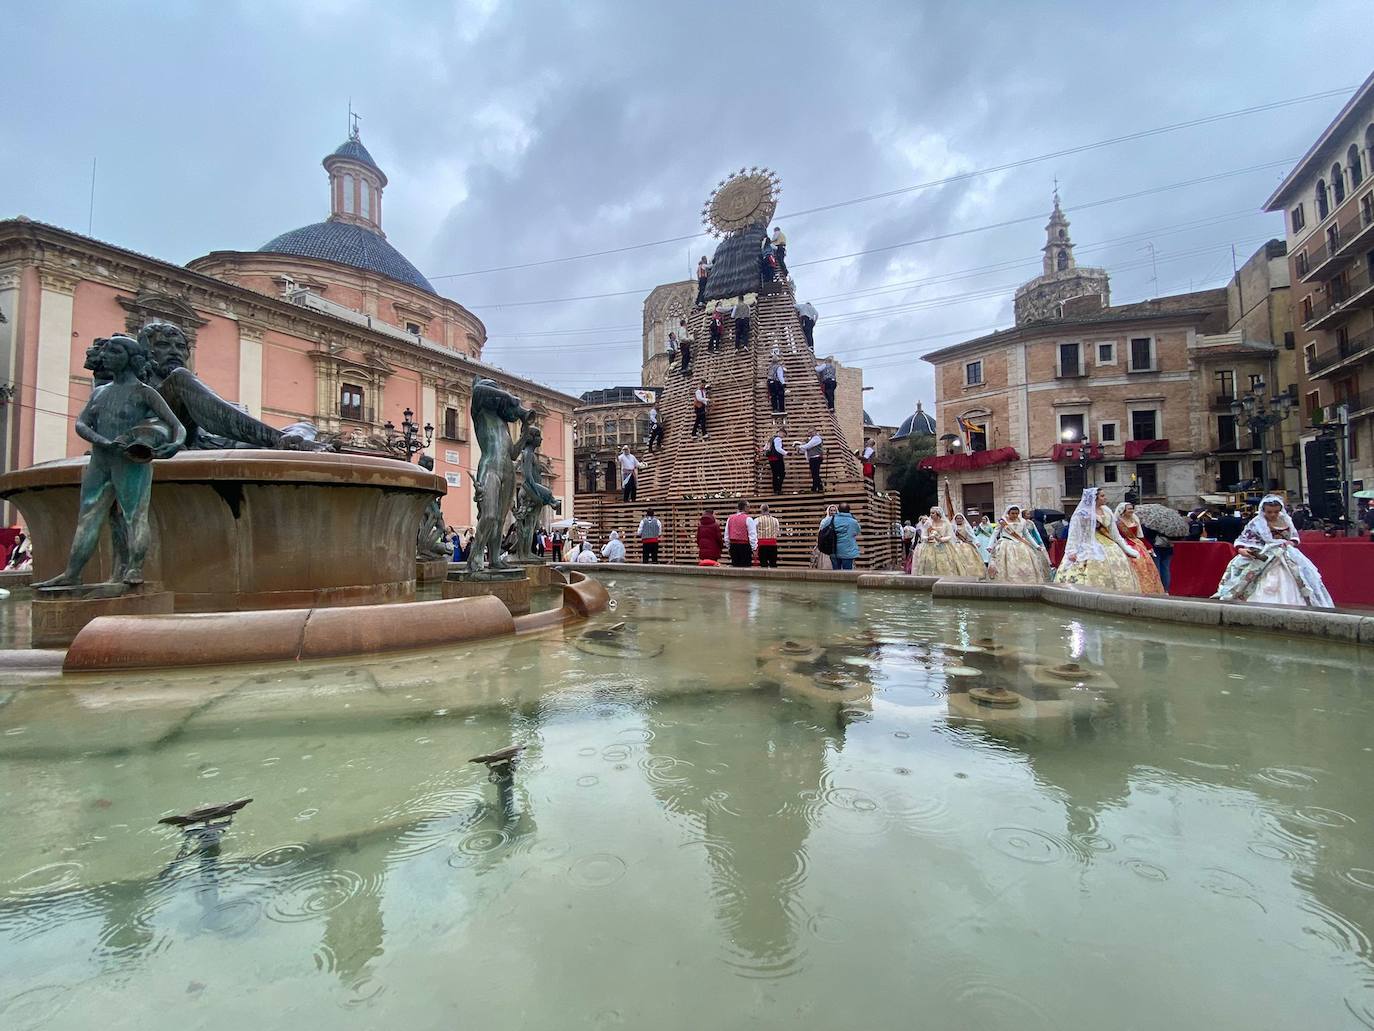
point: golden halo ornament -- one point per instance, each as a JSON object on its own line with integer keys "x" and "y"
{"x": 744, "y": 198}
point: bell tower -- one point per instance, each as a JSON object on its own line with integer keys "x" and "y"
{"x": 1058, "y": 247}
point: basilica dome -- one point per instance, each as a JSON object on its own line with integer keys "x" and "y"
{"x": 348, "y": 244}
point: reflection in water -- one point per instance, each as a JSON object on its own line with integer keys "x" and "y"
{"x": 740, "y": 783}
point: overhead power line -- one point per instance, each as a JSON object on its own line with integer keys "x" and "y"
{"x": 1199, "y": 180}
{"x": 931, "y": 184}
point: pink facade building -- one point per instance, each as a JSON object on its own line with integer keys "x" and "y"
{"x": 328, "y": 324}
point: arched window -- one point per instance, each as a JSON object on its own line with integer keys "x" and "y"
{"x": 1337, "y": 183}
{"x": 348, "y": 194}
{"x": 365, "y": 208}
{"x": 1323, "y": 209}
{"x": 612, "y": 437}
{"x": 1352, "y": 159}
{"x": 1062, "y": 262}
{"x": 589, "y": 433}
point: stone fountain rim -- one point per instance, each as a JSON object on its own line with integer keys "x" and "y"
{"x": 247, "y": 466}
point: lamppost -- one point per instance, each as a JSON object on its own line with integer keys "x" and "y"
{"x": 409, "y": 437}
{"x": 1258, "y": 413}
{"x": 1085, "y": 448}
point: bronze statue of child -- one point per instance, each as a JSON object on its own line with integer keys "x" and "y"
{"x": 128, "y": 424}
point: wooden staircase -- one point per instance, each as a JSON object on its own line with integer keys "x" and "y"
{"x": 690, "y": 475}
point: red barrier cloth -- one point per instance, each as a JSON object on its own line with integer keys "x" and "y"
{"x": 975, "y": 460}
{"x": 1347, "y": 572}
{"x": 1136, "y": 448}
{"x": 1057, "y": 551}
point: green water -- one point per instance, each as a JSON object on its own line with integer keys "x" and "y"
{"x": 706, "y": 836}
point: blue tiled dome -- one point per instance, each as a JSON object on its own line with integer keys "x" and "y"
{"x": 918, "y": 423}
{"x": 354, "y": 149}
{"x": 348, "y": 244}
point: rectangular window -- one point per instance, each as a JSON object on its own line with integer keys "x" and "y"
{"x": 451, "y": 424}
{"x": 1108, "y": 433}
{"x": 1367, "y": 209}
{"x": 1073, "y": 481}
{"x": 1109, "y": 474}
{"x": 1072, "y": 428}
{"x": 1307, "y": 308}
{"x": 973, "y": 374}
{"x": 1229, "y": 474}
{"x": 1106, "y": 352}
{"x": 1314, "y": 403}
{"x": 1147, "y": 479}
{"x": 413, "y": 328}
{"x": 1226, "y": 432}
{"x": 1069, "y": 366}
{"x": 1301, "y": 262}
{"x": 1226, "y": 386}
{"x": 1144, "y": 424}
{"x": 1257, "y": 471}
{"x": 1298, "y": 218}
{"x": 1142, "y": 354}
{"x": 978, "y": 436}
{"x": 351, "y": 402}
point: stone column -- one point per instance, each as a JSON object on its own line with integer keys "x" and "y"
{"x": 52, "y": 379}
{"x": 250, "y": 368}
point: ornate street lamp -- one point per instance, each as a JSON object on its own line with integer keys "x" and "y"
{"x": 408, "y": 441}
{"x": 1258, "y": 413}
{"x": 1085, "y": 448}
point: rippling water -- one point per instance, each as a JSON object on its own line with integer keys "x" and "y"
{"x": 739, "y": 806}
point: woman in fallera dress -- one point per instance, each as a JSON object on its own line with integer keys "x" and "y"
{"x": 1143, "y": 559}
{"x": 1017, "y": 555}
{"x": 1095, "y": 554}
{"x": 935, "y": 556}
{"x": 968, "y": 557}
{"x": 1269, "y": 568}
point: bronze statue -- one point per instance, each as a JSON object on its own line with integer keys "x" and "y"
{"x": 493, "y": 487}
{"x": 210, "y": 421}
{"x": 429, "y": 542}
{"x": 128, "y": 425}
{"x": 532, "y": 496}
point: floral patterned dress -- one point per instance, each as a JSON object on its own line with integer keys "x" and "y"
{"x": 1146, "y": 572}
{"x": 1112, "y": 572}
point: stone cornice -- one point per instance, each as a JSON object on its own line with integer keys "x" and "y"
{"x": 73, "y": 257}
{"x": 58, "y": 280}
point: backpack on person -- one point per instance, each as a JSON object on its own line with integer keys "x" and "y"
{"x": 828, "y": 541}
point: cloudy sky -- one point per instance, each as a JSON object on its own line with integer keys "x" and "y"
{"x": 519, "y": 132}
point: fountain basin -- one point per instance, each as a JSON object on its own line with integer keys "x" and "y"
{"x": 251, "y": 529}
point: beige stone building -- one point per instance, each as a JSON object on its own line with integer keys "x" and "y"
{"x": 1129, "y": 397}
{"x": 603, "y": 422}
{"x": 1328, "y": 206}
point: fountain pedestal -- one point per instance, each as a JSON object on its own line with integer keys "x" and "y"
{"x": 427, "y": 571}
{"x": 513, "y": 591}
{"x": 541, "y": 574}
{"x": 57, "y": 614}
{"x": 251, "y": 529}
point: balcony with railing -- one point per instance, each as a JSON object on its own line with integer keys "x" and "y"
{"x": 1222, "y": 402}
{"x": 1358, "y": 234}
{"x": 1324, "y": 362}
{"x": 1342, "y": 296}
{"x": 1326, "y": 260}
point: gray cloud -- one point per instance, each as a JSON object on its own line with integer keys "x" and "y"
{"x": 516, "y": 132}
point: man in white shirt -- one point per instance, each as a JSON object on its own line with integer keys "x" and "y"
{"x": 775, "y": 454}
{"x": 777, "y": 386}
{"x": 700, "y": 400}
{"x": 780, "y": 250}
{"x": 808, "y": 315}
{"x": 812, "y": 450}
{"x": 655, "y": 430}
{"x": 629, "y": 465}
{"x": 740, "y": 313}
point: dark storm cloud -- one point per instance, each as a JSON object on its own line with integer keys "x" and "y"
{"x": 516, "y": 132}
